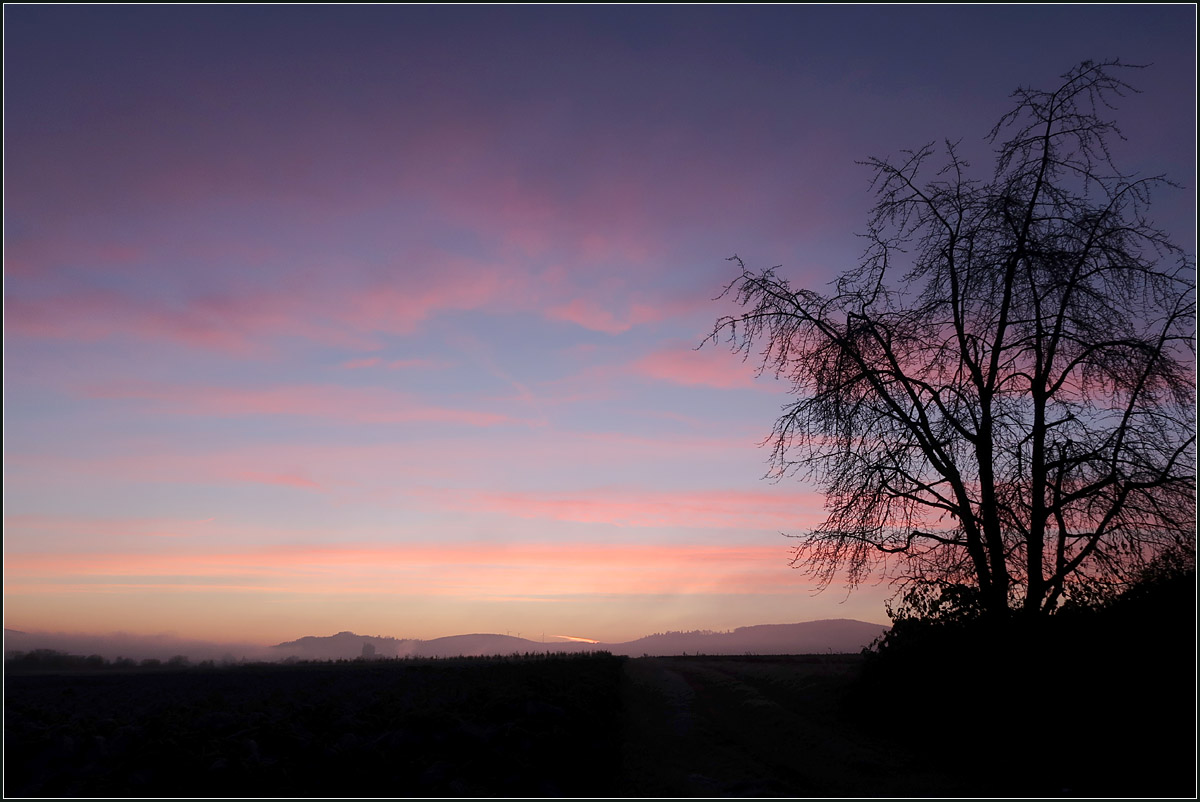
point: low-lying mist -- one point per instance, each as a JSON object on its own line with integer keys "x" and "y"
{"x": 134, "y": 647}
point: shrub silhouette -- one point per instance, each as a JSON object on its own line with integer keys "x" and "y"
{"x": 1100, "y": 697}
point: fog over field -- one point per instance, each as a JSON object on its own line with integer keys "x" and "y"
{"x": 813, "y": 637}
{"x": 134, "y": 647}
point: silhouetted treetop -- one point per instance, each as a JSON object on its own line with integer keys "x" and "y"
{"x": 1001, "y": 394}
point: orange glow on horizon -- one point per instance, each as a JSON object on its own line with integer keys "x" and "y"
{"x": 272, "y": 594}
{"x": 477, "y": 570}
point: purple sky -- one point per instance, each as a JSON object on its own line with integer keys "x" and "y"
{"x": 381, "y": 318}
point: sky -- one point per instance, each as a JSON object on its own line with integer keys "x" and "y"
{"x": 384, "y": 318}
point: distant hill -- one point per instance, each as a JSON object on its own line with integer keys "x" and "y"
{"x": 480, "y": 644}
{"x": 347, "y": 645}
{"x": 344, "y": 646}
{"x": 840, "y": 635}
{"x": 810, "y": 637}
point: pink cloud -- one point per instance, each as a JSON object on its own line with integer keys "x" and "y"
{"x": 398, "y": 306}
{"x": 34, "y": 257}
{"x": 41, "y": 526}
{"x": 283, "y": 479}
{"x": 244, "y": 320}
{"x": 589, "y": 213}
{"x": 591, "y": 315}
{"x": 593, "y": 230}
{"x": 395, "y": 364}
{"x": 465, "y": 570}
{"x": 358, "y": 404}
{"x": 368, "y": 362}
{"x": 708, "y": 366}
{"x": 401, "y": 364}
{"x": 721, "y": 509}
{"x": 416, "y": 476}
{"x": 234, "y": 324}
{"x": 347, "y": 472}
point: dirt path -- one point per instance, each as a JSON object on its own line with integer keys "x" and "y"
{"x": 755, "y": 727}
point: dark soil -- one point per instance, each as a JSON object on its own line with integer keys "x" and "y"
{"x": 562, "y": 726}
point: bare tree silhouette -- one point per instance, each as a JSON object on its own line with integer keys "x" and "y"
{"x": 1001, "y": 395}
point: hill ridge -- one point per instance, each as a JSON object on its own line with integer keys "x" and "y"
{"x": 840, "y": 635}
